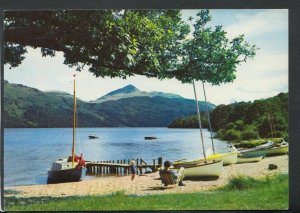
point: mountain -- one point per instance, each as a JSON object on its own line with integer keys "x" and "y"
{"x": 125, "y": 107}
{"x": 130, "y": 91}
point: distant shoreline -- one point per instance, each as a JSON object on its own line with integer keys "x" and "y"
{"x": 147, "y": 184}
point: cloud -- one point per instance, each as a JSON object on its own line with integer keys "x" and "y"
{"x": 264, "y": 76}
{"x": 259, "y": 23}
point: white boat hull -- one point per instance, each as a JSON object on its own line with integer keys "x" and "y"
{"x": 210, "y": 169}
{"x": 246, "y": 159}
{"x": 227, "y": 158}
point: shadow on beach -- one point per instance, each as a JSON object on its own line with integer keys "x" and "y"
{"x": 209, "y": 178}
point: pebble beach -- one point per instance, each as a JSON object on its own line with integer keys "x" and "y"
{"x": 147, "y": 184}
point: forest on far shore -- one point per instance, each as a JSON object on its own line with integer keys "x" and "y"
{"x": 244, "y": 120}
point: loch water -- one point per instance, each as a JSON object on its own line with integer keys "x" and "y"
{"x": 29, "y": 152}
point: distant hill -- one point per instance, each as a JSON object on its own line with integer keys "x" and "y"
{"x": 125, "y": 107}
{"x": 131, "y": 91}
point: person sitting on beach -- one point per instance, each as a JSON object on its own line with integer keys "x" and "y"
{"x": 132, "y": 169}
{"x": 178, "y": 175}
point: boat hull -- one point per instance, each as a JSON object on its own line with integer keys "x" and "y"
{"x": 227, "y": 158}
{"x": 245, "y": 159}
{"x": 262, "y": 147}
{"x": 66, "y": 175}
{"x": 254, "y": 153}
{"x": 282, "y": 150}
{"x": 210, "y": 169}
{"x": 277, "y": 151}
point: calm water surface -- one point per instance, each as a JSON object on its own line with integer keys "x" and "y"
{"x": 29, "y": 152}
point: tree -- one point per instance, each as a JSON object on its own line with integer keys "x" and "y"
{"x": 114, "y": 43}
{"x": 219, "y": 116}
{"x": 121, "y": 43}
{"x": 209, "y": 56}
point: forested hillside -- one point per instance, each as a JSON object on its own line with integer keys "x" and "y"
{"x": 245, "y": 120}
{"x": 29, "y": 107}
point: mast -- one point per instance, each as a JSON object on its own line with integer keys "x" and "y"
{"x": 74, "y": 124}
{"x": 272, "y": 124}
{"x": 208, "y": 117}
{"x": 199, "y": 120}
{"x": 199, "y": 116}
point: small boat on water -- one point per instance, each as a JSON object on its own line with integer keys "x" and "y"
{"x": 68, "y": 169}
{"x": 93, "y": 136}
{"x": 150, "y": 138}
{"x": 249, "y": 159}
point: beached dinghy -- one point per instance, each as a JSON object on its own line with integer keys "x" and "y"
{"x": 203, "y": 168}
{"x": 281, "y": 149}
{"x": 71, "y": 169}
{"x": 247, "y": 159}
{"x": 209, "y": 169}
{"x": 256, "y": 151}
{"x": 227, "y": 158}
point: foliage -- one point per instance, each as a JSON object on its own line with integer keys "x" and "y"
{"x": 246, "y": 120}
{"x": 231, "y": 135}
{"x": 121, "y": 43}
{"x": 209, "y": 55}
{"x": 220, "y": 116}
{"x": 250, "y": 132}
{"x": 241, "y": 182}
{"x": 270, "y": 193}
{"x": 190, "y": 122}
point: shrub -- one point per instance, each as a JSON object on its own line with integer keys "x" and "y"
{"x": 230, "y": 126}
{"x": 232, "y": 135}
{"x": 250, "y": 133}
{"x": 220, "y": 133}
{"x": 239, "y": 125}
{"x": 241, "y": 183}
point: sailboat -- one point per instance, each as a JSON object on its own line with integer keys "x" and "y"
{"x": 227, "y": 158}
{"x": 205, "y": 167}
{"x": 64, "y": 169}
{"x": 282, "y": 147}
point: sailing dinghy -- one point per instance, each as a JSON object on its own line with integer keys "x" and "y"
{"x": 205, "y": 167}
{"x": 68, "y": 169}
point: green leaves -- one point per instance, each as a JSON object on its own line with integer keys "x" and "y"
{"x": 121, "y": 43}
{"x": 209, "y": 56}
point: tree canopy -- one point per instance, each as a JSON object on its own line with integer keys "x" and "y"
{"x": 121, "y": 43}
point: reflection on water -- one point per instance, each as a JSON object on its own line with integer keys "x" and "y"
{"x": 28, "y": 153}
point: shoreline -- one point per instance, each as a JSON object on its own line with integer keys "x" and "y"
{"x": 147, "y": 184}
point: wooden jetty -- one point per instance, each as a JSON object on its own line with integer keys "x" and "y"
{"x": 121, "y": 167}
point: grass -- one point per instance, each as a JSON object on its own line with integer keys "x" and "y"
{"x": 242, "y": 193}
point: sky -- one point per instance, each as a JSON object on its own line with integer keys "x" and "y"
{"x": 264, "y": 76}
